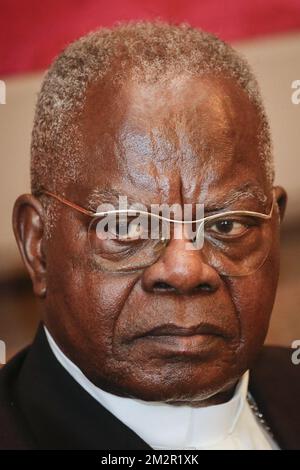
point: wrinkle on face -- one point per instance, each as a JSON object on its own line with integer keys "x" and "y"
{"x": 189, "y": 132}
{"x": 192, "y": 140}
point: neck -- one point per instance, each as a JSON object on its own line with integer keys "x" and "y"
{"x": 217, "y": 399}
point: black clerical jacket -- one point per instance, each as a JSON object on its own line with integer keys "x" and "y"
{"x": 43, "y": 407}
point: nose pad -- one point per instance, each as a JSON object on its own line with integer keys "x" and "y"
{"x": 180, "y": 271}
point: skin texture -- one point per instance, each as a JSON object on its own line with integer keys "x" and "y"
{"x": 186, "y": 140}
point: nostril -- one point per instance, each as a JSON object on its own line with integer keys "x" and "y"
{"x": 162, "y": 286}
{"x": 204, "y": 287}
{"x": 159, "y": 285}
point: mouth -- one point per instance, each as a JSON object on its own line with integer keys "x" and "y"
{"x": 202, "y": 329}
{"x": 177, "y": 340}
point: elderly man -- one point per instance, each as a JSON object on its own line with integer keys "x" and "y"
{"x": 146, "y": 342}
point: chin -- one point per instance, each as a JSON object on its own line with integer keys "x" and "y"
{"x": 179, "y": 389}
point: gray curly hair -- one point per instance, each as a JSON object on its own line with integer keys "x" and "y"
{"x": 150, "y": 50}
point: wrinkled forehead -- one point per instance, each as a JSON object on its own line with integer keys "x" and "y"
{"x": 187, "y": 136}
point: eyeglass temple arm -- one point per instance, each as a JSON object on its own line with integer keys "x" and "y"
{"x": 68, "y": 203}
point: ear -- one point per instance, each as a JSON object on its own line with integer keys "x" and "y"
{"x": 28, "y": 229}
{"x": 281, "y": 199}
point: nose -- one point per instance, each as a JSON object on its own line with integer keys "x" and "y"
{"x": 181, "y": 271}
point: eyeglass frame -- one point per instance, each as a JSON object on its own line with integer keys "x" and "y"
{"x": 164, "y": 241}
{"x": 93, "y": 214}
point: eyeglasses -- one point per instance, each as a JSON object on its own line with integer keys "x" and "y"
{"x": 235, "y": 243}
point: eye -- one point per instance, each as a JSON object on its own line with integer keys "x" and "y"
{"x": 129, "y": 230}
{"x": 122, "y": 228}
{"x": 228, "y": 227}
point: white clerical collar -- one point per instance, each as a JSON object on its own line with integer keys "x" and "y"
{"x": 163, "y": 425}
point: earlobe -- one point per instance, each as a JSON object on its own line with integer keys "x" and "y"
{"x": 281, "y": 199}
{"x": 29, "y": 229}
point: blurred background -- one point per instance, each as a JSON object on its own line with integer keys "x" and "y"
{"x": 266, "y": 32}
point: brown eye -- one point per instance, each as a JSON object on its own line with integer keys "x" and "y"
{"x": 133, "y": 230}
{"x": 121, "y": 228}
{"x": 228, "y": 227}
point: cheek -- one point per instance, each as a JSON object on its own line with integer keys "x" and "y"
{"x": 88, "y": 301}
{"x": 254, "y": 297}
{"x": 82, "y": 303}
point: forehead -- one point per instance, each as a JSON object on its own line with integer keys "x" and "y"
{"x": 187, "y": 135}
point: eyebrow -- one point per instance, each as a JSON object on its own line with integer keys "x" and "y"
{"x": 101, "y": 196}
{"x": 246, "y": 191}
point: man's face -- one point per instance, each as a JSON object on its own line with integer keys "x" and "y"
{"x": 187, "y": 140}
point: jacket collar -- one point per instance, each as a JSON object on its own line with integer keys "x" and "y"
{"x": 43, "y": 394}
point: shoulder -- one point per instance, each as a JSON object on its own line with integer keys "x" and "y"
{"x": 13, "y": 430}
{"x": 275, "y": 385}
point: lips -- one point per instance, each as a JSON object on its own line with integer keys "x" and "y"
{"x": 170, "y": 329}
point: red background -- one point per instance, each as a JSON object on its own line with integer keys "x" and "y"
{"x": 32, "y": 32}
